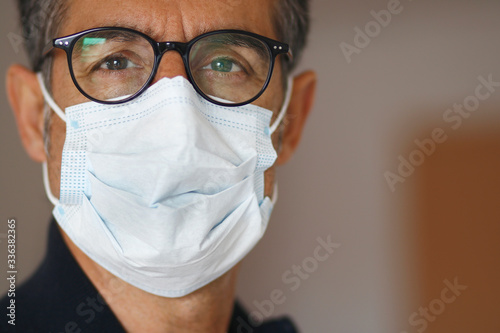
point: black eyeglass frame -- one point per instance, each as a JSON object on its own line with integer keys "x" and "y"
{"x": 67, "y": 44}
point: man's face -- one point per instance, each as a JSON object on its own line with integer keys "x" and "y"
{"x": 163, "y": 20}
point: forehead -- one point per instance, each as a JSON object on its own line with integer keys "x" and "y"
{"x": 174, "y": 20}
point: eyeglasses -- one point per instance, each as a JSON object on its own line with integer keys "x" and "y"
{"x": 113, "y": 65}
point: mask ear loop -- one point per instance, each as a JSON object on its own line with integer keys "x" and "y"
{"x": 277, "y": 123}
{"x": 52, "y": 104}
{"x": 46, "y": 184}
{"x": 284, "y": 108}
{"x": 274, "y": 197}
{"x": 49, "y": 99}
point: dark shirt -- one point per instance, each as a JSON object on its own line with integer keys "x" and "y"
{"x": 59, "y": 298}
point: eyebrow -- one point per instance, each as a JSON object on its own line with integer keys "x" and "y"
{"x": 242, "y": 41}
{"x": 149, "y": 31}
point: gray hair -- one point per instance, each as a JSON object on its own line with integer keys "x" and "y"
{"x": 293, "y": 24}
{"x": 40, "y": 21}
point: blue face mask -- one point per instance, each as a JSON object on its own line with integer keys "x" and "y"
{"x": 167, "y": 191}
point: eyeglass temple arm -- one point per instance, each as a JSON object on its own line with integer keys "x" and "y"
{"x": 47, "y": 49}
{"x": 45, "y": 52}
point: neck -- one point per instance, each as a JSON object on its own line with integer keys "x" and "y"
{"x": 206, "y": 310}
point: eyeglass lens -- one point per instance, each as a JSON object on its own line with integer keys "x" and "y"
{"x": 114, "y": 64}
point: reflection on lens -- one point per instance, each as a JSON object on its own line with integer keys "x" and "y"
{"x": 110, "y": 64}
{"x": 230, "y": 66}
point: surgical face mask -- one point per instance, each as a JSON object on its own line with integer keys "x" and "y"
{"x": 166, "y": 191}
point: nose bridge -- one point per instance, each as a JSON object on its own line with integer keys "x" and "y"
{"x": 171, "y": 64}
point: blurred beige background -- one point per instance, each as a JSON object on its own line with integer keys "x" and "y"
{"x": 400, "y": 251}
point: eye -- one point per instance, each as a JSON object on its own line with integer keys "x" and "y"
{"x": 117, "y": 63}
{"x": 224, "y": 65}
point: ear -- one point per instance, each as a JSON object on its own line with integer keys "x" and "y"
{"x": 27, "y": 102}
{"x": 301, "y": 102}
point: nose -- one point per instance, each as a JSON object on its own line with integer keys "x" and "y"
{"x": 171, "y": 65}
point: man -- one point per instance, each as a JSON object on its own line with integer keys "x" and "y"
{"x": 159, "y": 123}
